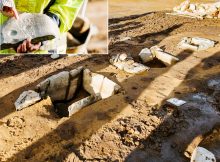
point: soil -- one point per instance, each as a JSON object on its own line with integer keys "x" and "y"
{"x": 135, "y": 125}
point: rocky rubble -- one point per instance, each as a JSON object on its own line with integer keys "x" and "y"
{"x": 211, "y": 10}
{"x": 196, "y": 43}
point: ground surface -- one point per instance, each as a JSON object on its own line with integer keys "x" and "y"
{"x": 131, "y": 126}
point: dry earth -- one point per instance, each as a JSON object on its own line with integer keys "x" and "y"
{"x": 134, "y": 125}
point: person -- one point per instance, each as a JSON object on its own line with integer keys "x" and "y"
{"x": 63, "y": 12}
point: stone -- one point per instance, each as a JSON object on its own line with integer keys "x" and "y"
{"x": 109, "y": 88}
{"x": 62, "y": 86}
{"x": 66, "y": 110}
{"x": 146, "y": 55}
{"x": 196, "y": 43}
{"x": 75, "y": 107}
{"x": 92, "y": 82}
{"x": 166, "y": 58}
{"x": 214, "y": 84}
{"x": 201, "y": 154}
{"x": 176, "y": 102}
{"x": 26, "y": 99}
{"x": 136, "y": 68}
{"x": 55, "y": 86}
{"x": 37, "y": 27}
{"x": 95, "y": 83}
{"x": 127, "y": 64}
{"x": 203, "y": 43}
{"x": 76, "y": 76}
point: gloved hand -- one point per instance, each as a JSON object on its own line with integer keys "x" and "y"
{"x": 27, "y": 46}
{"x": 7, "y": 8}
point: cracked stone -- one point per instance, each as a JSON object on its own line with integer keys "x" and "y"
{"x": 126, "y": 63}
{"x": 166, "y": 58}
{"x": 96, "y": 83}
{"x": 37, "y": 27}
{"x": 26, "y": 99}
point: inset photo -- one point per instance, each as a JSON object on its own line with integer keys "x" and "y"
{"x": 53, "y": 27}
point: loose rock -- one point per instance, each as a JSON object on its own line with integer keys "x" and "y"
{"x": 123, "y": 62}
{"x": 96, "y": 83}
{"x": 26, "y": 99}
{"x": 196, "y": 43}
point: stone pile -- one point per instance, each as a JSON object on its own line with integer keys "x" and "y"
{"x": 197, "y": 10}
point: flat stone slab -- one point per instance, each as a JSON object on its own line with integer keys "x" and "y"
{"x": 37, "y": 27}
{"x": 95, "y": 84}
{"x": 26, "y": 99}
{"x": 196, "y": 43}
{"x": 127, "y": 64}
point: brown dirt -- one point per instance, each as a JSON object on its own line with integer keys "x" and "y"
{"x": 134, "y": 125}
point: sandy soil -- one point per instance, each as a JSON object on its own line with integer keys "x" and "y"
{"x": 118, "y": 8}
{"x": 133, "y": 125}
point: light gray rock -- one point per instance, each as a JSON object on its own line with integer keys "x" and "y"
{"x": 95, "y": 83}
{"x": 26, "y": 99}
{"x": 126, "y": 63}
{"x": 176, "y": 102}
{"x": 196, "y": 43}
{"x": 38, "y": 27}
{"x": 62, "y": 86}
{"x": 55, "y": 86}
{"x": 75, "y": 107}
{"x": 166, "y": 58}
{"x": 146, "y": 55}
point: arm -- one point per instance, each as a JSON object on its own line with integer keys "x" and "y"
{"x": 66, "y": 11}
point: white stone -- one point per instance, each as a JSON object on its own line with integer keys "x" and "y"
{"x": 136, "y": 68}
{"x": 125, "y": 39}
{"x": 202, "y": 155}
{"x": 146, "y": 55}
{"x": 196, "y": 43}
{"x": 26, "y": 99}
{"x": 95, "y": 83}
{"x": 203, "y": 43}
{"x": 108, "y": 88}
{"x": 77, "y": 106}
{"x": 27, "y": 26}
{"x": 192, "y": 7}
{"x": 127, "y": 64}
{"x": 92, "y": 82}
{"x": 176, "y": 102}
{"x": 166, "y": 58}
